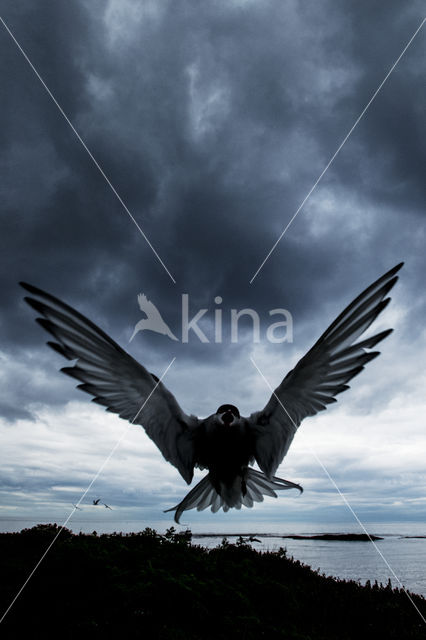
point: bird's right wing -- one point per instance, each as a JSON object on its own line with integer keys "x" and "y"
{"x": 320, "y": 375}
{"x": 116, "y": 380}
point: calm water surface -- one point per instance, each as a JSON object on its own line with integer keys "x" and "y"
{"x": 360, "y": 561}
{"x": 401, "y": 559}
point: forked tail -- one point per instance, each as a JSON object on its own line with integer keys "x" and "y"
{"x": 257, "y": 486}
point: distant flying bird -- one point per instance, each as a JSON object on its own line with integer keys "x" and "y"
{"x": 75, "y": 507}
{"x": 153, "y": 320}
{"x": 97, "y": 501}
{"x": 105, "y": 505}
{"x": 225, "y": 443}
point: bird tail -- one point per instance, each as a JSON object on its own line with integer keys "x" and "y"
{"x": 257, "y": 485}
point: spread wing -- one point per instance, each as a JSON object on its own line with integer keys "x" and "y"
{"x": 116, "y": 380}
{"x": 320, "y": 375}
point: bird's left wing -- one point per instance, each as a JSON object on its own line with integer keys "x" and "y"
{"x": 116, "y": 380}
{"x": 320, "y": 375}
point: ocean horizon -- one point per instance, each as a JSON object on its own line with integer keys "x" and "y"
{"x": 400, "y": 556}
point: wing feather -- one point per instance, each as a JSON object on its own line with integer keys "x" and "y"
{"x": 117, "y": 381}
{"x": 321, "y": 374}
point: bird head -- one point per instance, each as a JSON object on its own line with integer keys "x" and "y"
{"x": 228, "y": 414}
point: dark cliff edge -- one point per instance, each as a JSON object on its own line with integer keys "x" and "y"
{"x": 146, "y": 585}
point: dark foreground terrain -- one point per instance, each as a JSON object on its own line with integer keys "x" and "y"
{"x": 150, "y": 586}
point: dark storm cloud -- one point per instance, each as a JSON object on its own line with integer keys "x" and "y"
{"x": 212, "y": 123}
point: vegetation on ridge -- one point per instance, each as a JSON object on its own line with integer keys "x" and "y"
{"x": 146, "y": 585}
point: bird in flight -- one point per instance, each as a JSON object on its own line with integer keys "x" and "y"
{"x": 226, "y": 443}
{"x": 153, "y": 320}
{"x": 107, "y": 506}
{"x": 96, "y": 502}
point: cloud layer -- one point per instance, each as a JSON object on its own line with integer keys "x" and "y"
{"x": 212, "y": 123}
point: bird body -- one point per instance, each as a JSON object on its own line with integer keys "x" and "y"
{"x": 224, "y": 450}
{"x": 225, "y": 443}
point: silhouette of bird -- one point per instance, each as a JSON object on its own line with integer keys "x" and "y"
{"x": 249, "y": 539}
{"x": 96, "y": 502}
{"x": 105, "y": 505}
{"x": 225, "y": 443}
{"x": 75, "y": 507}
{"x": 153, "y": 320}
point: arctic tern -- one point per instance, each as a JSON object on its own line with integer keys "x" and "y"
{"x": 226, "y": 443}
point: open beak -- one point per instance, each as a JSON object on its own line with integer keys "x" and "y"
{"x": 228, "y": 417}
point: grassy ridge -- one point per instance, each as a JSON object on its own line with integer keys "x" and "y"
{"x": 151, "y": 586}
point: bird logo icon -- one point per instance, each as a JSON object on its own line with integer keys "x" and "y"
{"x": 153, "y": 320}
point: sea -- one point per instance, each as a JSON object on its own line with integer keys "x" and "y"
{"x": 400, "y": 556}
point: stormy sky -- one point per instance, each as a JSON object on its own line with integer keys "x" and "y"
{"x": 212, "y": 121}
